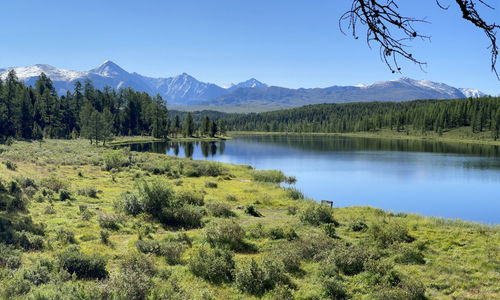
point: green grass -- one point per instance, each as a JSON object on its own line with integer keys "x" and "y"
{"x": 462, "y": 259}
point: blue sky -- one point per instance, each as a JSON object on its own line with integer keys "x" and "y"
{"x": 292, "y": 43}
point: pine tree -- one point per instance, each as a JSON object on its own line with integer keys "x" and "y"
{"x": 188, "y": 128}
{"x": 204, "y": 126}
{"x": 212, "y": 131}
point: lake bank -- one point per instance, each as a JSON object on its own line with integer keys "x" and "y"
{"x": 459, "y": 135}
{"x": 148, "y": 139}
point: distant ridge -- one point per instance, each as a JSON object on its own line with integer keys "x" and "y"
{"x": 186, "y": 90}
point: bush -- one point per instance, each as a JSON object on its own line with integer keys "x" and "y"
{"x": 64, "y": 195}
{"x": 291, "y": 259}
{"x": 251, "y": 210}
{"x": 358, "y": 225}
{"x": 65, "y": 236}
{"x": 333, "y": 288}
{"x": 134, "y": 278}
{"x": 255, "y": 279}
{"x": 53, "y": 183}
{"x": 349, "y": 260}
{"x": 10, "y": 165}
{"x": 231, "y": 198}
{"x": 275, "y": 233}
{"x": 114, "y": 159}
{"x": 294, "y": 193}
{"x": 190, "y": 197}
{"x": 214, "y": 265}
{"x": 83, "y": 265}
{"x": 225, "y": 234}
{"x": 109, "y": 221}
{"x": 26, "y": 182}
{"x": 29, "y": 241}
{"x": 38, "y": 273}
{"x": 329, "y": 230}
{"x": 87, "y": 191}
{"x": 313, "y": 246}
{"x": 290, "y": 233}
{"x": 220, "y": 210}
{"x": 317, "y": 214}
{"x": 255, "y": 230}
{"x": 385, "y": 234}
{"x": 49, "y": 209}
{"x": 155, "y": 196}
{"x": 272, "y": 176}
{"x": 129, "y": 203}
{"x": 187, "y": 216}
{"x": 172, "y": 251}
{"x": 197, "y": 169}
{"x": 211, "y": 184}
{"x": 407, "y": 254}
{"x": 104, "y": 234}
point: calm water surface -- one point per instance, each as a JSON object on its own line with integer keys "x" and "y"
{"x": 430, "y": 178}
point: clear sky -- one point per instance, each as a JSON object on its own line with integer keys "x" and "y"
{"x": 291, "y": 43}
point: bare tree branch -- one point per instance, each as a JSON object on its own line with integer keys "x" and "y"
{"x": 393, "y": 32}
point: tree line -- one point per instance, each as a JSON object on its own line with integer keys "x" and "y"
{"x": 478, "y": 114}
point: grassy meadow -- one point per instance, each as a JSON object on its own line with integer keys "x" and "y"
{"x": 84, "y": 222}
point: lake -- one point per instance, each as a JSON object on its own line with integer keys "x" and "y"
{"x": 426, "y": 177}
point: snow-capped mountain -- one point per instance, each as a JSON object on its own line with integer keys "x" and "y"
{"x": 187, "y": 90}
{"x": 250, "y": 83}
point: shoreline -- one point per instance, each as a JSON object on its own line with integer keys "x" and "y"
{"x": 383, "y": 134}
{"x": 146, "y": 139}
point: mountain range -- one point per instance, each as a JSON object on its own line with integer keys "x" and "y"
{"x": 185, "y": 90}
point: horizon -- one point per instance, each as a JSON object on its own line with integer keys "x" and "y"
{"x": 285, "y": 43}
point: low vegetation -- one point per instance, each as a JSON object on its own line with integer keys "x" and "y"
{"x": 84, "y": 222}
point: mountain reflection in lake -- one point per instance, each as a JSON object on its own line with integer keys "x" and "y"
{"x": 427, "y": 177}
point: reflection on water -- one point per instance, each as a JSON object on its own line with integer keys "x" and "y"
{"x": 427, "y": 177}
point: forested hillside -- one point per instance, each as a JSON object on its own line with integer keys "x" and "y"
{"x": 480, "y": 114}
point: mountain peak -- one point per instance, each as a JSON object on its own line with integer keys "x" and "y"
{"x": 109, "y": 69}
{"x": 250, "y": 83}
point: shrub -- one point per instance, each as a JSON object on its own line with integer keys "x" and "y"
{"x": 109, "y": 221}
{"x": 114, "y": 159}
{"x": 49, "y": 210}
{"x": 294, "y": 193}
{"x": 251, "y": 210}
{"x": 219, "y": 209}
{"x": 313, "y": 246}
{"x": 87, "y": 191}
{"x": 83, "y": 265}
{"x": 104, "y": 234}
{"x": 38, "y": 273}
{"x": 30, "y": 191}
{"x": 276, "y": 233}
{"x": 53, "y": 183}
{"x": 256, "y": 279}
{"x": 28, "y": 240}
{"x": 290, "y": 233}
{"x": 172, "y": 251}
{"x": 225, "y": 234}
{"x": 316, "y": 214}
{"x": 358, "y": 225}
{"x": 211, "y": 184}
{"x": 231, "y": 198}
{"x": 129, "y": 203}
{"x": 291, "y": 259}
{"x": 333, "y": 288}
{"x": 65, "y": 236}
{"x": 272, "y": 176}
{"x": 10, "y": 165}
{"x": 214, "y": 265}
{"x": 64, "y": 195}
{"x": 385, "y": 234}
{"x": 291, "y": 210}
{"x": 255, "y": 230}
{"x": 187, "y": 216}
{"x": 349, "y": 260}
{"x": 197, "y": 169}
{"x": 407, "y": 254}
{"x": 190, "y": 197}
{"x": 26, "y": 182}
{"x": 134, "y": 278}
{"x": 329, "y": 230}
{"x": 155, "y": 196}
